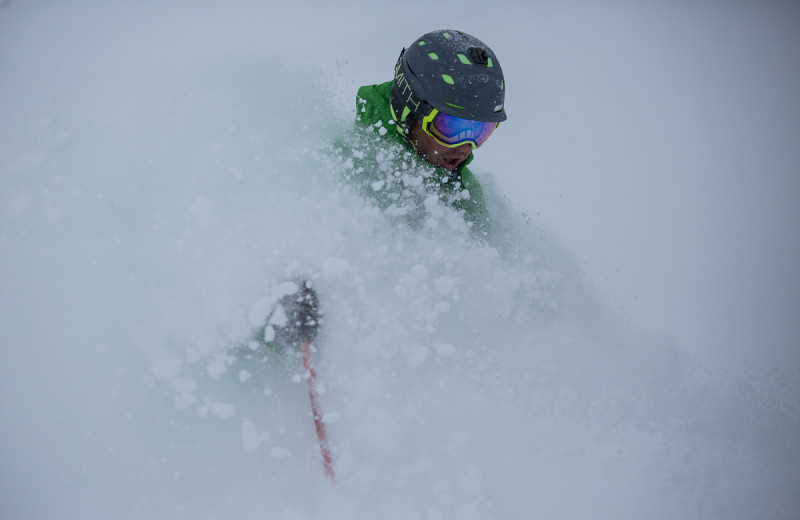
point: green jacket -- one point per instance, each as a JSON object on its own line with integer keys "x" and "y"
{"x": 390, "y": 172}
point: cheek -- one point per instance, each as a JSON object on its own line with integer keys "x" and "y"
{"x": 425, "y": 147}
{"x": 439, "y": 149}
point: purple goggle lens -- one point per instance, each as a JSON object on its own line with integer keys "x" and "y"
{"x": 452, "y": 131}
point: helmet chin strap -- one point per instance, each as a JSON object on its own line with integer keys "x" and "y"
{"x": 405, "y": 129}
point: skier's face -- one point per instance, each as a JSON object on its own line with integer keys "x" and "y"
{"x": 436, "y": 154}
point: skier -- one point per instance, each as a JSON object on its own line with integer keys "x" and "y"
{"x": 446, "y": 99}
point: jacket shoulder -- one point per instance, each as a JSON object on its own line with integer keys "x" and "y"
{"x": 373, "y": 103}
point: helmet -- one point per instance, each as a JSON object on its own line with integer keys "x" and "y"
{"x": 452, "y": 72}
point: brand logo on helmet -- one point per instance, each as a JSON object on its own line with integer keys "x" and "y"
{"x": 403, "y": 87}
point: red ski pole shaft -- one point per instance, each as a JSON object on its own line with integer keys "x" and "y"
{"x": 322, "y": 435}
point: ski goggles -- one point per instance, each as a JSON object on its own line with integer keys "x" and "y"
{"x": 452, "y": 131}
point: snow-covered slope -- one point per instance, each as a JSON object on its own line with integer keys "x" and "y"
{"x": 163, "y": 173}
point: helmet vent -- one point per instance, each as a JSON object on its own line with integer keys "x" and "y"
{"x": 479, "y": 56}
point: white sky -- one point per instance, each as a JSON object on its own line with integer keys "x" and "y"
{"x": 661, "y": 143}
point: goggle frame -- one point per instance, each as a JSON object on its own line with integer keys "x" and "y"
{"x": 483, "y": 127}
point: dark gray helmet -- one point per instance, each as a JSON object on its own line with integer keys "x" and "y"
{"x": 451, "y": 71}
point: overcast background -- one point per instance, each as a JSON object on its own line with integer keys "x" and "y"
{"x": 152, "y": 155}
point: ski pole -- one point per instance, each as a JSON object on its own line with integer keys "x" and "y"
{"x": 322, "y": 435}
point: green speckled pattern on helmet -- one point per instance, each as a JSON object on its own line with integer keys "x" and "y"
{"x": 452, "y": 72}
